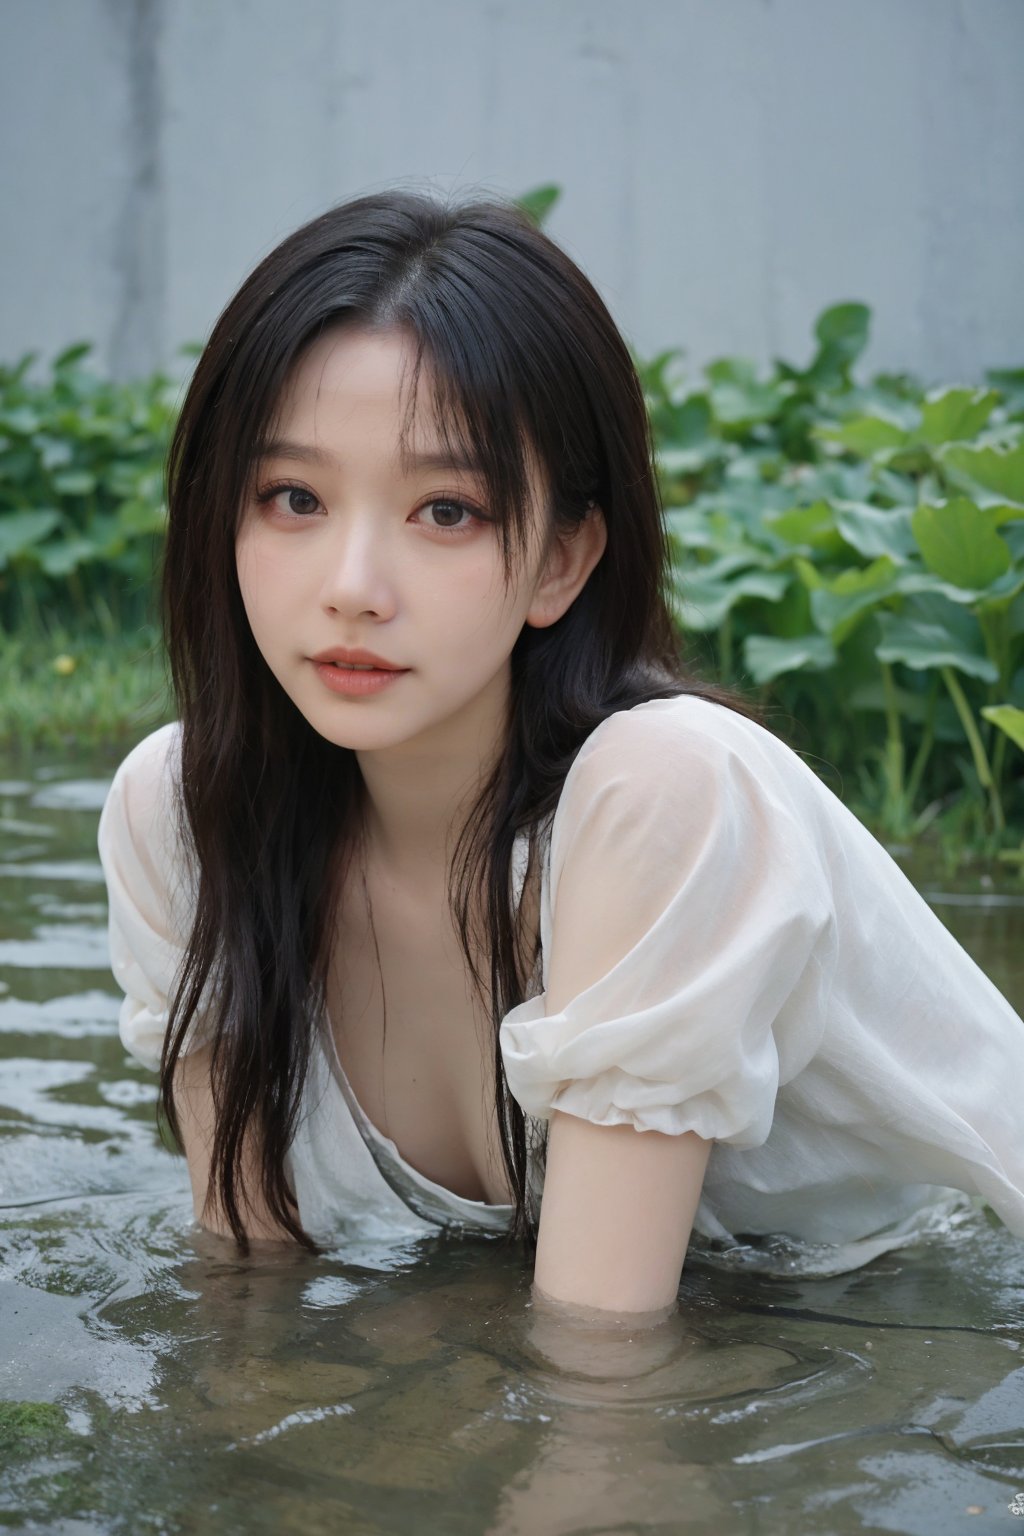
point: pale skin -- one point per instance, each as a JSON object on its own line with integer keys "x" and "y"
{"x": 356, "y": 552}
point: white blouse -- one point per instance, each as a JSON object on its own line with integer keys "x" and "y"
{"x": 780, "y": 988}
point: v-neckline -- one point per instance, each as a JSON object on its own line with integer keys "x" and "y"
{"x": 384, "y": 1149}
{"x": 428, "y": 1198}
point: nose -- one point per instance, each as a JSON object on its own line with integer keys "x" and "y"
{"x": 357, "y": 569}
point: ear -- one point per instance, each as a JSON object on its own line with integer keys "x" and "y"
{"x": 570, "y": 561}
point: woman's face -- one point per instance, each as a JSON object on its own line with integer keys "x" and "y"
{"x": 341, "y": 545}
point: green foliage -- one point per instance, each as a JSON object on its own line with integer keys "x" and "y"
{"x": 538, "y": 202}
{"x": 82, "y": 511}
{"x": 22, "y": 1422}
{"x": 854, "y": 551}
{"x": 857, "y": 552}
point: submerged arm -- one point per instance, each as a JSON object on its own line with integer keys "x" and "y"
{"x": 193, "y": 1100}
{"x": 616, "y": 1214}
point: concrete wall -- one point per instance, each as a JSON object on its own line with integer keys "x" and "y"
{"x": 729, "y": 167}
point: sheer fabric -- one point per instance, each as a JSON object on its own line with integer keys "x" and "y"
{"x": 774, "y": 983}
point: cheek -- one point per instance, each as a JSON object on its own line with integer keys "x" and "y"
{"x": 261, "y": 582}
{"x": 244, "y": 568}
{"x": 481, "y": 591}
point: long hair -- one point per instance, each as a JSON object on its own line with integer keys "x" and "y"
{"x": 523, "y": 357}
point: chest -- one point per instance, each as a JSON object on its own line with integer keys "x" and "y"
{"x": 427, "y": 1080}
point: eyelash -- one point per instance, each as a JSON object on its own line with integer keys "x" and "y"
{"x": 273, "y": 491}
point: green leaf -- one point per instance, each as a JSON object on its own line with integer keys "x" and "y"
{"x": 107, "y": 535}
{"x": 138, "y": 517}
{"x": 1010, "y": 384}
{"x": 959, "y": 543}
{"x": 813, "y": 526}
{"x": 1013, "y": 533}
{"x": 60, "y": 559}
{"x": 876, "y": 531}
{"x": 997, "y": 472}
{"x": 741, "y": 371}
{"x": 74, "y": 482}
{"x": 844, "y": 327}
{"x": 673, "y": 460}
{"x": 745, "y": 404}
{"x": 842, "y": 331}
{"x": 808, "y": 573}
{"x": 840, "y": 604}
{"x": 914, "y": 460}
{"x": 913, "y": 582}
{"x": 539, "y": 201}
{"x": 686, "y": 423}
{"x": 1006, "y": 378}
{"x": 653, "y": 370}
{"x": 954, "y": 415}
{"x": 72, "y": 354}
{"x": 20, "y": 530}
{"x": 865, "y": 435}
{"x": 1008, "y": 719}
{"x": 933, "y": 632}
{"x": 13, "y": 376}
{"x": 20, "y": 420}
{"x": 109, "y": 427}
{"x": 768, "y": 656}
{"x": 54, "y": 452}
{"x": 702, "y": 603}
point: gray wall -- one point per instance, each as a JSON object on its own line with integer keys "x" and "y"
{"x": 729, "y": 167}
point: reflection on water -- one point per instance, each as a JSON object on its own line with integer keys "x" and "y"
{"x": 413, "y": 1386}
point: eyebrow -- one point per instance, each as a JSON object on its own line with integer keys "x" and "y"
{"x": 287, "y": 448}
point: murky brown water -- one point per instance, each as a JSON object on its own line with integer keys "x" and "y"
{"x": 413, "y": 1388}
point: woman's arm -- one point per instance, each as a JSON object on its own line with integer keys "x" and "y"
{"x": 618, "y": 1203}
{"x": 686, "y": 902}
{"x": 616, "y": 1214}
{"x": 193, "y": 1100}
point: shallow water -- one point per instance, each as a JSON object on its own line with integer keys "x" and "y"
{"x": 413, "y": 1387}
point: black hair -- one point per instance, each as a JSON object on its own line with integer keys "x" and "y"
{"x": 523, "y": 357}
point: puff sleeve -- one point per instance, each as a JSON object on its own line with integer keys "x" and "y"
{"x": 689, "y": 920}
{"x": 147, "y": 893}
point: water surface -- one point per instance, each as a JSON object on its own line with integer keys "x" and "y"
{"x": 412, "y": 1386}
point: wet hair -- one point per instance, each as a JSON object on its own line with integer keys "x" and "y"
{"x": 522, "y": 356}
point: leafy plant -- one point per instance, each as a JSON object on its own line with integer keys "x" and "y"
{"x": 82, "y": 511}
{"x": 852, "y": 551}
{"x": 861, "y": 544}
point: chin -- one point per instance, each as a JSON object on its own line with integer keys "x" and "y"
{"x": 354, "y": 735}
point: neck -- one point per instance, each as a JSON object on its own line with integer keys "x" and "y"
{"x": 419, "y": 793}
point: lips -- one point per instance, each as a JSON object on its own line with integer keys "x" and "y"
{"x": 339, "y": 656}
{"x": 358, "y": 682}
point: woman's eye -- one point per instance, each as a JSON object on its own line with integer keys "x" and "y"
{"x": 289, "y": 498}
{"x": 445, "y": 513}
{"x": 448, "y": 515}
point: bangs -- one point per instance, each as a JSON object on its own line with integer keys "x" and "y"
{"x": 480, "y": 426}
{"x": 459, "y": 394}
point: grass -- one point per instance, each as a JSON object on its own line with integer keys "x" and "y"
{"x": 21, "y": 1422}
{"x": 68, "y": 691}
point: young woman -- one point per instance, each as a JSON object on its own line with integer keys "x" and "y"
{"x": 450, "y": 889}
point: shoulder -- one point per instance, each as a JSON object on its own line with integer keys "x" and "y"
{"x": 676, "y": 749}
{"x": 152, "y": 761}
{"x": 683, "y": 778}
{"x": 138, "y": 818}
{"x": 685, "y": 726}
{"x": 144, "y": 779}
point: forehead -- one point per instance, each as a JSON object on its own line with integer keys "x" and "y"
{"x": 359, "y": 380}
{"x": 355, "y": 389}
